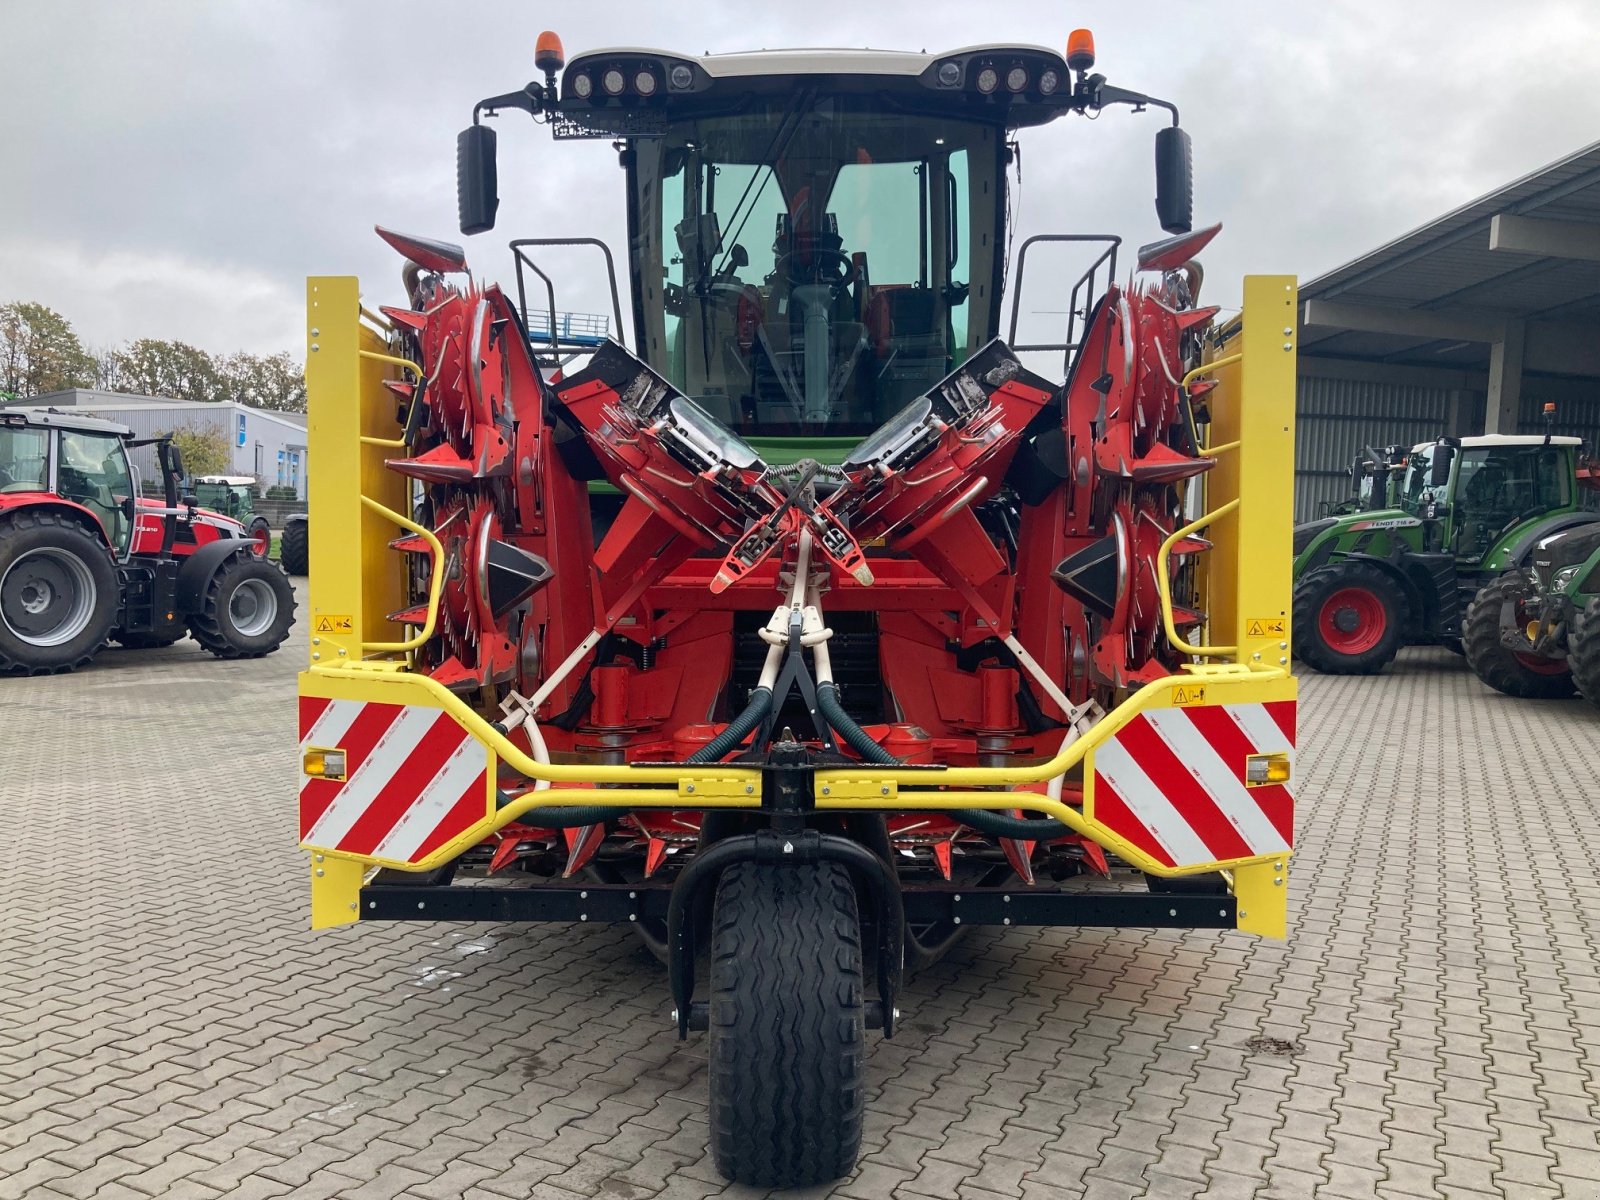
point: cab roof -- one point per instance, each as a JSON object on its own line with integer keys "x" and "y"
{"x": 821, "y": 60}
{"x": 1505, "y": 439}
{"x": 972, "y": 82}
{"x": 54, "y": 418}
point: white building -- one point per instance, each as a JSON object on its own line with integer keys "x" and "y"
{"x": 268, "y": 445}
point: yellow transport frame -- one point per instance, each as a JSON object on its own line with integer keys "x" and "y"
{"x": 358, "y": 507}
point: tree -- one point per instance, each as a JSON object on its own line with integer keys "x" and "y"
{"x": 273, "y": 381}
{"x": 205, "y": 449}
{"x": 154, "y": 367}
{"x": 40, "y": 351}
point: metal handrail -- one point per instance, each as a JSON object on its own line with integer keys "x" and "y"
{"x": 392, "y": 360}
{"x": 1206, "y": 368}
{"x": 1164, "y": 585}
{"x": 1086, "y": 279}
{"x": 522, "y": 259}
{"x": 435, "y": 582}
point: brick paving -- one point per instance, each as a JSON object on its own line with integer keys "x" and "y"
{"x": 170, "y": 1028}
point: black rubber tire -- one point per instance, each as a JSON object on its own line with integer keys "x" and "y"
{"x": 32, "y": 530}
{"x": 144, "y": 641}
{"x": 788, "y": 1025}
{"x": 215, "y": 626}
{"x": 1492, "y": 660}
{"x": 1315, "y": 587}
{"x": 294, "y": 550}
{"x": 1583, "y": 651}
{"x": 255, "y": 529}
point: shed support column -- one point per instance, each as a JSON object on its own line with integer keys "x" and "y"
{"x": 1505, "y": 380}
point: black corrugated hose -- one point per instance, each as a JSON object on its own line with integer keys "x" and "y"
{"x": 563, "y": 816}
{"x": 993, "y": 823}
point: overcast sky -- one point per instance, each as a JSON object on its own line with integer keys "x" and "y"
{"x": 175, "y": 169}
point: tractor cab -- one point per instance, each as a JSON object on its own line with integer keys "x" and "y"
{"x": 1478, "y": 489}
{"x": 817, "y": 237}
{"x": 83, "y": 460}
{"x": 231, "y": 495}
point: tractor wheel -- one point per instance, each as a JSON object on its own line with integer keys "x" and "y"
{"x": 259, "y": 532}
{"x": 294, "y": 551}
{"x": 59, "y": 594}
{"x": 1497, "y": 607}
{"x": 1583, "y": 651}
{"x": 248, "y": 609}
{"x": 1349, "y": 619}
{"x": 787, "y": 1040}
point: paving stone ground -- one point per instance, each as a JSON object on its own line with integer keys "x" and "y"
{"x": 170, "y": 1028}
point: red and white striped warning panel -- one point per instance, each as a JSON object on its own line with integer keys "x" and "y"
{"x": 1172, "y": 782}
{"x": 414, "y": 779}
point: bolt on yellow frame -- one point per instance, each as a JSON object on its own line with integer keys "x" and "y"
{"x": 357, "y": 508}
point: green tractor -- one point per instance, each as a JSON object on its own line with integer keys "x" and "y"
{"x": 1534, "y": 633}
{"x": 234, "y": 496}
{"x": 1468, "y": 510}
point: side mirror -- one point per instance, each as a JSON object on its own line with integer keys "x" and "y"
{"x": 174, "y": 460}
{"x": 1357, "y": 471}
{"x": 1174, "y": 180}
{"x": 477, "y": 180}
{"x": 1439, "y": 471}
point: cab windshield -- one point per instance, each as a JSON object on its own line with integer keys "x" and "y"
{"x": 811, "y": 264}
{"x": 1496, "y": 484}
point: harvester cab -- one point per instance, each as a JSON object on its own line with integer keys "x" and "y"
{"x": 84, "y": 557}
{"x": 809, "y": 626}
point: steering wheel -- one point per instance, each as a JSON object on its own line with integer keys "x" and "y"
{"x": 832, "y": 267}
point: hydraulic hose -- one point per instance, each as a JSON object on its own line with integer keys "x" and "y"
{"x": 993, "y": 823}
{"x": 844, "y": 725}
{"x": 562, "y": 816}
{"x": 738, "y": 729}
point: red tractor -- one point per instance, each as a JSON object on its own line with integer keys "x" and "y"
{"x": 84, "y": 558}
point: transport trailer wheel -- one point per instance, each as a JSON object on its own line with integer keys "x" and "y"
{"x": 260, "y": 533}
{"x": 249, "y": 607}
{"x": 1583, "y": 651}
{"x": 1348, "y": 619}
{"x": 294, "y": 551}
{"x": 1498, "y": 606}
{"x": 58, "y": 594}
{"x": 787, "y": 1025}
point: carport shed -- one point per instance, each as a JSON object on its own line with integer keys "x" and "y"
{"x": 1469, "y": 324}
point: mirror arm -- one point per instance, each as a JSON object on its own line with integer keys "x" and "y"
{"x": 533, "y": 100}
{"x": 1095, "y": 93}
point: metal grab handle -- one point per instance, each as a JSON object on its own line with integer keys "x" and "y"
{"x": 435, "y": 582}
{"x": 1164, "y": 585}
{"x": 393, "y": 360}
{"x": 1204, "y": 368}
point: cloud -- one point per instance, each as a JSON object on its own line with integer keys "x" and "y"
{"x": 177, "y": 169}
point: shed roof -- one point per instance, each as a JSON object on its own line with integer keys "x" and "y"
{"x": 1437, "y": 296}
